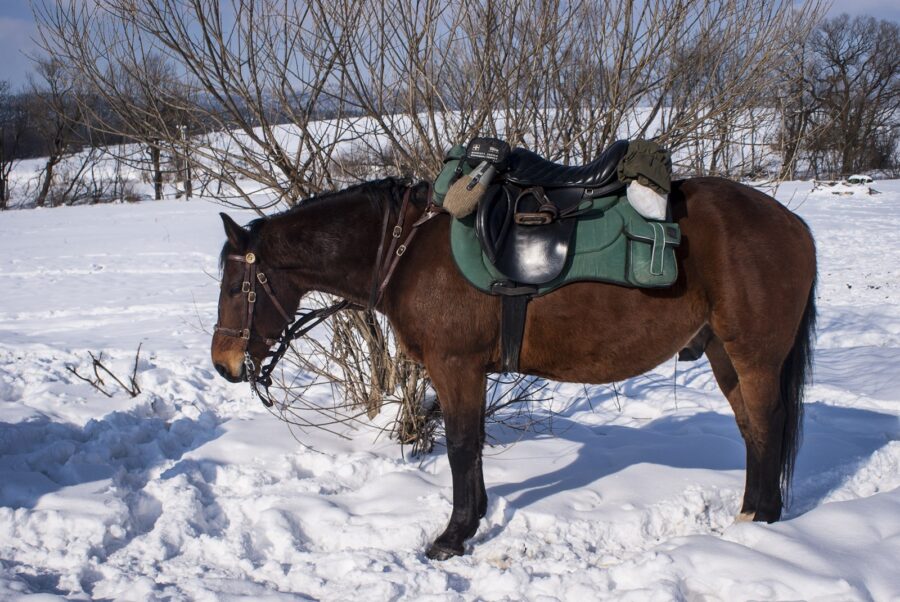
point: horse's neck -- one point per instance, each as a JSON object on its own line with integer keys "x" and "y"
{"x": 329, "y": 246}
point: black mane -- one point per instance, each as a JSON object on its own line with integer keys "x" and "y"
{"x": 377, "y": 191}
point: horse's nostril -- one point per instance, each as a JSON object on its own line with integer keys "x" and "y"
{"x": 221, "y": 370}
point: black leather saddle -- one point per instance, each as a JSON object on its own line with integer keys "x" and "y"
{"x": 530, "y": 169}
{"x": 526, "y": 222}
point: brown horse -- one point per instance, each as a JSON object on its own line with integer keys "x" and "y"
{"x": 744, "y": 294}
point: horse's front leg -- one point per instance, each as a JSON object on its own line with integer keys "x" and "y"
{"x": 460, "y": 387}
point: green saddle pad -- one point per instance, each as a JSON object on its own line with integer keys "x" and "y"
{"x": 612, "y": 243}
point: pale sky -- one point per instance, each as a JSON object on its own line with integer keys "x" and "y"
{"x": 17, "y": 31}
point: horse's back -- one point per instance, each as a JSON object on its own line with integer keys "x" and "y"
{"x": 737, "y": 220}
{"x": 741, "y": 256}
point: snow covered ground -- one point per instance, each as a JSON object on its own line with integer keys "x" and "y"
{"x": 192, "y": 491}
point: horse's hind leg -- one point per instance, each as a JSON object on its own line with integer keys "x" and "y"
{"x": 727, "y": 378}
{"x": 460, "y": 387}
{"x": 752, "y": 388}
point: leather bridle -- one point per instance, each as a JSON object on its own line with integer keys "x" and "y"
{"x": 293, "y": 329}
{"x": 385, "y": 264}
{"x": 252, "y": 276}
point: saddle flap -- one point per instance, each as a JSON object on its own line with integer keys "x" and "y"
{"x": 522, "y": 238}
{"x": 492, "y": 221}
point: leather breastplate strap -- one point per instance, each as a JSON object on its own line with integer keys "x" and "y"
{"x": 386, "y": 263}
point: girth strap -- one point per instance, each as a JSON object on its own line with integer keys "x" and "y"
{"x": 514, "y": 308}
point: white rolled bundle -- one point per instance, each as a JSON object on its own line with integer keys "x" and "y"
{"x": 646, "y": 201}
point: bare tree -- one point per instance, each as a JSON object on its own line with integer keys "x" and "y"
{"x": 150, "y": 108}
{"x": 55, "y": 116}
{"x": 244, "y": 75}
{"x": 13, "y": 123}
{"x": 795, "y": 107}
{"x": 856, "y": 88}
{"x": 404, "y": 80}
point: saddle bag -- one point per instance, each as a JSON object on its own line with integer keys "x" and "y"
{"x": 485, "y": 157}
{"x": 462, "y": 160}
{"x": 651, "y": 253}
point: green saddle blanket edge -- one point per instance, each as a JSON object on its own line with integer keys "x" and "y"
{"x": 612, "y": 243}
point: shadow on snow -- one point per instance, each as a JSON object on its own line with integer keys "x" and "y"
{"x": 836, "y": 442}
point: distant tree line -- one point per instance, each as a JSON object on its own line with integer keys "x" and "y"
{"x": 843, "y": 114}
{"x": 565, "y": 78}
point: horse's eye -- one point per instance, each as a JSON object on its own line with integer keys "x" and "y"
{"x": 234, "y": 290}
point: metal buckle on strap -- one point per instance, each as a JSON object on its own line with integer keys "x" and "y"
{"x": 261, "y": 277}
{"x": 251, "y": 297}
{"x": 398, "y": 230}
{"x": 245, "y": 334}
{"x": 245, "y": 287}
{"x": 533, "y": 218}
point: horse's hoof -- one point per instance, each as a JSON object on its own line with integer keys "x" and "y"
{"x": 442, "y": 552}
{"x": 744, "y": 517}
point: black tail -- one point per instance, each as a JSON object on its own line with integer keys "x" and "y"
{"x": 795, "y": 373}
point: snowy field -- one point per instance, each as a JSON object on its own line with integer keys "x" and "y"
{"x": 193, "y": 491}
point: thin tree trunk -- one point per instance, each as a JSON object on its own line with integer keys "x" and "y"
{"x": 157, "y": 170}
{"x": 4, "y": 171}
{"x": 52, "y": 160}
{"x": 188, "y": 185}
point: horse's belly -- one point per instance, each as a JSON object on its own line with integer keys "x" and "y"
{"x": 597, "y": 333}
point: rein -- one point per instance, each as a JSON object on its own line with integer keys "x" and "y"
{"x": 385, "y": 264}
{"x": 300, "y": 327}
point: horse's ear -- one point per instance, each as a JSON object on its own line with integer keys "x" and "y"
{"x": 237, "y": 236}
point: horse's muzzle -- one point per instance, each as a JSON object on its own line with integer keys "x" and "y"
{"x": 224, "y": 373}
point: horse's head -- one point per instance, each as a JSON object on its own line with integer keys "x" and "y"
{"x": 255, "y": 304}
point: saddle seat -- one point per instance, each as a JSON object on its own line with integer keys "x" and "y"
{"x": 530, "y": 169}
